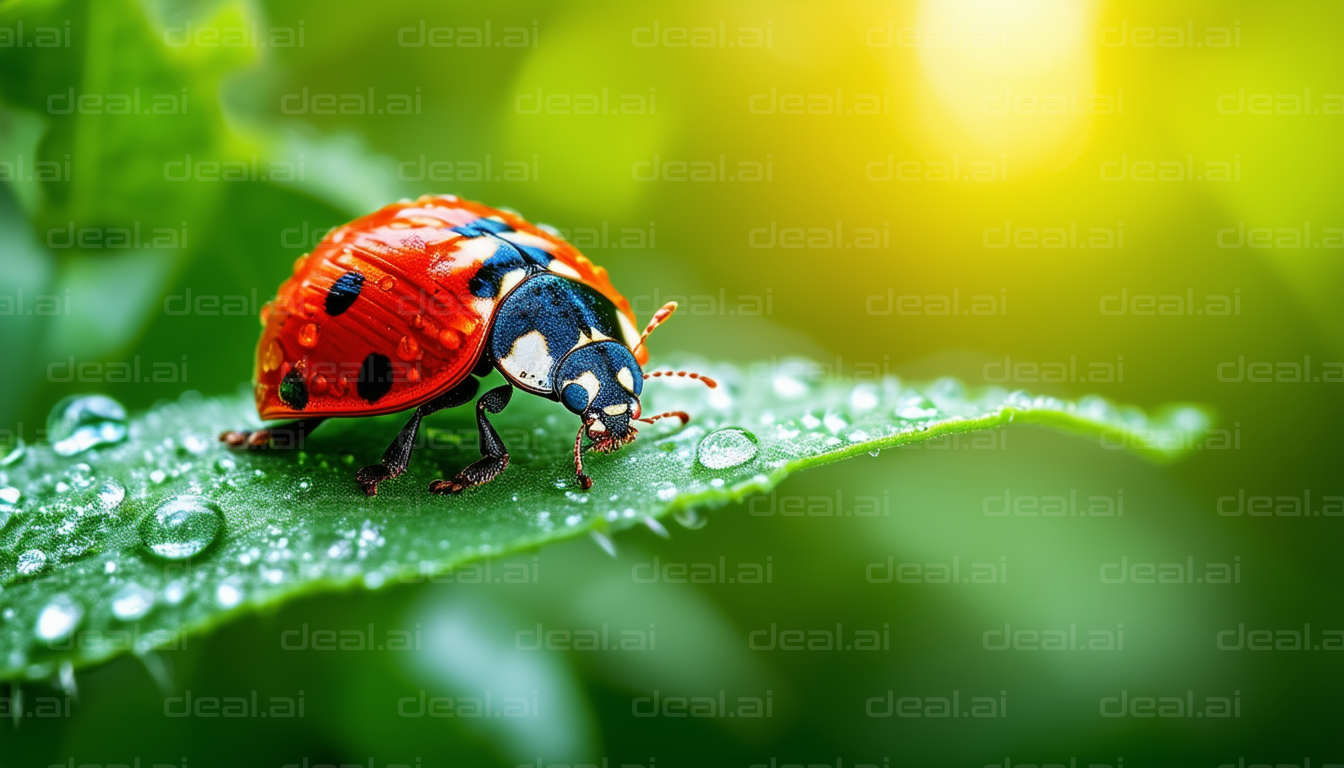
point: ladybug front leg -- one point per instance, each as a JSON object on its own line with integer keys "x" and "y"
{"x": 494, "y": 454}
{"x": 283, "y": 437}
{"x": 398, "y": 454}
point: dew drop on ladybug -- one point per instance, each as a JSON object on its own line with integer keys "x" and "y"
{"x": 408, "y": 349}
{"x": 449, "y": 339}
{"x": 273, "y": 357}
{"x": 308, "y": 335}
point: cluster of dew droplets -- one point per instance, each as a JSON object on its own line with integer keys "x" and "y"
{"x": 64, "y": 515}
{"x": 71, "y": 513}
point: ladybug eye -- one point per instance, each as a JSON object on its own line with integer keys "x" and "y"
{"x": 575, "y": 398}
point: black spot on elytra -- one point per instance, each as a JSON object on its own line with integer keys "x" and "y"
{"x": 344, "y": 292}
{"x": 375, "y": 377}
{"x": 293, "y": 391}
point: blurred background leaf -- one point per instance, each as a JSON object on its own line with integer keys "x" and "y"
{"x": 580, "y": 173}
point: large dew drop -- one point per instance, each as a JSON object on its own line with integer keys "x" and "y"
{"x": 726, "y": 448}
{"x": 80, "y": 422}
{"x": 182, "y": 527}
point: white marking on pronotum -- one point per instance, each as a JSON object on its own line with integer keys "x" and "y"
{"x": 510, "y": 279}
{"x": 626, "y": 380}
{"x": 561, "y": 268}
{"x": 628, "y": 330}
{"x": 529, "y": 360}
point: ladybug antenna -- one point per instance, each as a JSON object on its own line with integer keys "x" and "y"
{"x": 708, "y": 382}
{"x": 685, "y": 417}
{"x": 659, "y": 318}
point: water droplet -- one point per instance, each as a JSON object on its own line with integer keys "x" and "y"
{"x": 31, "y": 562}
{"x": 175, "y": 592}
{"x": 834, "y": 422}
{"x": 111, "y": 494}
{"x": 308, "y": 335}
{"x": 788, "y": 387}
{"x": 59, "y": 618}
{"x": 273, "y": 357}
{"x": 863, "y": 398}
{"x": 80, "y": 422}
{"x": 182, "y": 527}
{"x": 418, "y": 321}
{"x": 691, "y": 519}
{"x": 657, "y": 527}
{"x": 875, "y": 453}
{"x": 917, "y": 407}
{"x": 726, "y": 448}
{"x": 158, "y": 476}
{"x": 339, "y": 386}
{"x": 450, "y": 339}
{"x": 387, "y": 283}
{"x": 408, "y": 348}
{"x": 17, "y": 452}
{"x": 229, "y": 593}
{"x": 10, "y": 495}
{"x": 132, "y": 602}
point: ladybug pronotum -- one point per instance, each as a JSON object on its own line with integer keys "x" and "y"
{"x": 406, "y": 307}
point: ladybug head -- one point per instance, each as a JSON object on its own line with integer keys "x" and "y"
{"x": 601, "y": 382}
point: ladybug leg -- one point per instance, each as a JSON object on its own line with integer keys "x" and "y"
{"x": 494, "y": 454}
{"x": 282, "y": 437}
{"x": 398, "y": 454}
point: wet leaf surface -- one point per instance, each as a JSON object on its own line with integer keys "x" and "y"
{"x": 155, "y": 530}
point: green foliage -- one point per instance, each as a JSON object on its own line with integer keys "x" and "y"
{"x": 161, "y": 532}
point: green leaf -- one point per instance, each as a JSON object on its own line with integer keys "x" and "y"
{"x": 77, "y": 533}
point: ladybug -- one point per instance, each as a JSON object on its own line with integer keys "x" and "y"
{"x": 406, "y": 307}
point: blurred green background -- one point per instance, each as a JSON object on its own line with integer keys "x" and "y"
{"x": 1153, "y": 186}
